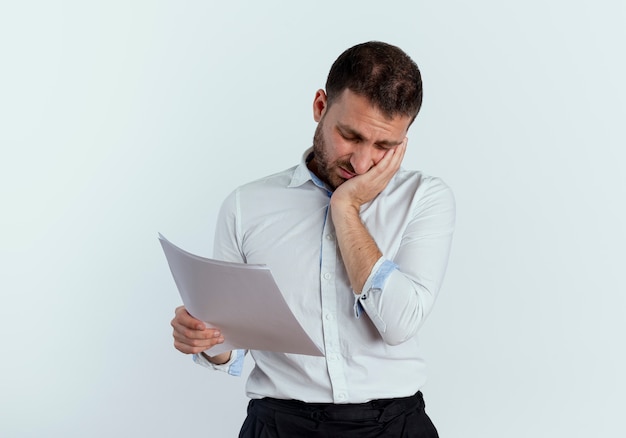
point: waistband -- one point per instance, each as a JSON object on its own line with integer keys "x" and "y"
{"x": 381, "y": 410}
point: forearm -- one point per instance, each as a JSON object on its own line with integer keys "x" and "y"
{"x": 358, "y": 249}
{"x": 408, "y": 302}
{"x": 399, "y": 300}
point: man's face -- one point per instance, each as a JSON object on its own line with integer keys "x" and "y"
{"x": 351, "y": 137}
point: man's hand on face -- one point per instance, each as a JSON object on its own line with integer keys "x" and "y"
{"x": 363, "y": 188}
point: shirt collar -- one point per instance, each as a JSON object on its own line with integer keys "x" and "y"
{"x": 302, "y": 174}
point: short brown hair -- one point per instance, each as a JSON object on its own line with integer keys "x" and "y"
{"x": 380, "y": 72}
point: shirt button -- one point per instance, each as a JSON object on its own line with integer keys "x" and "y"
{"x": 341, "y": 396}
{"x": 329, "y": 236}
{"x": 327, "y": 275}
{"x": 329, "y": 316}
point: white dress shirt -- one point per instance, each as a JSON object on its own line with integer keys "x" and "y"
{"x": 369, "y": 340}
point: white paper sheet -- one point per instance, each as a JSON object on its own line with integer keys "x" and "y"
{"x": 242, "y": 300}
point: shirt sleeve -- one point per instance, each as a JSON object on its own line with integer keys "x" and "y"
{"x": 399, "y": 294}
{"x": 234, "y": 366}
{"x": 228, "y": 234}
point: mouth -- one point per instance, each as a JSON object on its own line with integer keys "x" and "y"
{"x": 345, "y": 174}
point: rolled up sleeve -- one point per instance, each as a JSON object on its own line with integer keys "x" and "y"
{"x": 234, "y": 366}
{"x": 399, "y": 294}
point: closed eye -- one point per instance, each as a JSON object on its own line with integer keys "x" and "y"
{"x": 350, "y": 138}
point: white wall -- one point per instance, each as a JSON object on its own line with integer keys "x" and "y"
{"x": 121, "y": 119}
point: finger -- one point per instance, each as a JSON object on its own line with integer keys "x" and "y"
{"x": 193, "y": 332}
{"x": 197, "y": 338}
{"x": 382, "y": 165}
{"x": 390, "y": 162}
{"x": 398, "y": 155}
{"x": 401, "y": 150}
{"x": 393, "y": 157}
{"x": 183, "y": 317}
{"x": 193, "y": 348}
{"x": 194, "y": 341}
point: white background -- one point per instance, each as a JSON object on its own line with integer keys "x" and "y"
{"x": 121, "y": 119}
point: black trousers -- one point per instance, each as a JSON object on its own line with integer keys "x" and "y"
{"x": 393, "y": 418}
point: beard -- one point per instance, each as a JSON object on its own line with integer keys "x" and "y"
{"x": 323, "y": 169}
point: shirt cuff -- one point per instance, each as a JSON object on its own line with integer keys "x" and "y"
{"x": 381, "y": 271}
{"x": 234, "y": 366}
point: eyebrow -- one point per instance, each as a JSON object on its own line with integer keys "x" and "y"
{"x": 356, "y": 134}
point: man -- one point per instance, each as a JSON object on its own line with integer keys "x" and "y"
{"x": 358, "y": 246}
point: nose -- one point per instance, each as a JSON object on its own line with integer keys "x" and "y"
{"x": 363, "y": 158}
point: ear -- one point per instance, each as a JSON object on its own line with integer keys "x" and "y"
{"x": 319, "y": 105}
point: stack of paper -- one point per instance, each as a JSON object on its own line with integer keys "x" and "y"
{"x": 241, "y": 300}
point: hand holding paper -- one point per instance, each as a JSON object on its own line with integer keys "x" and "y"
{"x": 241, "y": 300}
{"x": 191, "y": 336}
